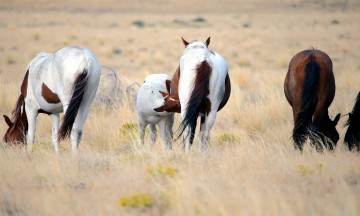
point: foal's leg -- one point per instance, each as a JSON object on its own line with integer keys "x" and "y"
{"x": 165, "y": 140}
{"x": 31, "y": 117}
{"x": 55, "y": 121}
{"x": 153, "y": 133}
{"x": 142, "y": 126}
{"x": 169, "y": 131}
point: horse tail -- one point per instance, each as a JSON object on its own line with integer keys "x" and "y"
{"x": 197, "y": 99}
{"x": 308, "y": 99}
{"x": 352, "y": 137}
{"x": 75, "y": 102}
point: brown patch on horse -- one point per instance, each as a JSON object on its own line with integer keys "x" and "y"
{"x": 175, "y": 82}
{"x": 227, "y": 92}
{"x": 168, "y": 83}
{"x": 48, "y": 95}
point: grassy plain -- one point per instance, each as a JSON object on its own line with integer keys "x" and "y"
{"x": 251, "y": 168}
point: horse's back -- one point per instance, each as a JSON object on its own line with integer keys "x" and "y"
{"x": 295, "y": 77}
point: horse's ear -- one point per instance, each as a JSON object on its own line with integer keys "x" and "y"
{"x": 337, "y": 118}
{"x": 164, "y": 94}
{"x": 8, "y": 121}
{"x": 184, "y": 42}
{"x": 207, "y": 42}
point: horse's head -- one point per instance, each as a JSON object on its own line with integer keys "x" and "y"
{"x": 196, "y": 44}
{"x": 18, "y": 126}
{"x": 16, "y": 131}
{"x": 172, "y": 103}
{"x": 328, "y": 128}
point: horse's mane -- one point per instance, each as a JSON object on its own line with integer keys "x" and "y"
{"x": 353, "y": 123}
{"x": 354, "y": 116}
{"x": 16, "y": 113}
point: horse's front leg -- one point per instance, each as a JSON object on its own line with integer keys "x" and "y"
{"x": 31, "y": 115}
{"x": 55, "y": 121}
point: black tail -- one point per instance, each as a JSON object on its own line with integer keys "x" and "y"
{"x": 352, "y": 136}
{"x": 197, "y": 99}
{"x": 308, "y": 99}
{"x": 73, "y": 108}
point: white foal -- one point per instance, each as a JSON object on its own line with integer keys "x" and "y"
{"x": 150, "y": 97}
{"x": 67, "y": 82}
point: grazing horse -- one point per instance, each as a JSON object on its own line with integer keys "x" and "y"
{"x": 67, "y": 82}
{"x": 310, "y": 89}
{"x": 151, "y": 95}
{"x": 352, "y": 136}
{"x": 202, "y": 85}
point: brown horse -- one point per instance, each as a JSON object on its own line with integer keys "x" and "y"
{"x": 352, "y": 136}
{"x": 310, "y": 89}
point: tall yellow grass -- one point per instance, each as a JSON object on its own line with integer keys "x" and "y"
{"x": 251, "y": 167}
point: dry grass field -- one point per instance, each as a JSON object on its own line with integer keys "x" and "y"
{"x": 251, "y": 167}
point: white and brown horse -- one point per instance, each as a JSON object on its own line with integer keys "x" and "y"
{"x": 151, "y": 94}
{"x": 202, "y": 85}
{"x": 67, "y": 82}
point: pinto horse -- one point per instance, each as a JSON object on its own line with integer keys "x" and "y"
{"x": 310, "y": 89}
{"x": 352, "y": 136}
{"x": 202, "y": 86}
{"x": 67, "y": 82}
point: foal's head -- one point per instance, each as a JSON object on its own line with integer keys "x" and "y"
{"x": 18, "y": 126}
{"x": 172, "y": 103}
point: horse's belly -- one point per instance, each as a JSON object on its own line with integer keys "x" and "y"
{"x": 51, "y": 108}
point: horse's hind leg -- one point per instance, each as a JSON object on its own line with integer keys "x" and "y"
{"x": 77, "y": 129}
{"x": 209, "y": 123}
{"x": 55, "y": 121}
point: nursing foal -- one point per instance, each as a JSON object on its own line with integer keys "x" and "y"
{"x": 151, "y": 95}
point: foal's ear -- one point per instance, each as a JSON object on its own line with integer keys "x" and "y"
{"x": 207, "y": 42}
{"x": 337, "y": 118}
{"x": 184, "y": 42}
{"x": 8, "y": 121}
{"x": 164, "y": 94}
